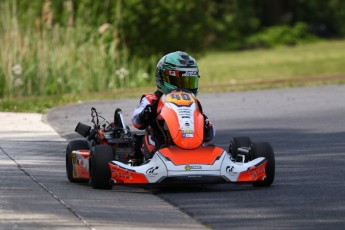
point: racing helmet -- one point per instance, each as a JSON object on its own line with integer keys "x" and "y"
{"x": 177, "y": 70}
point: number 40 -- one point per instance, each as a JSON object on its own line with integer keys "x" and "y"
{"x": 183, "y": 96}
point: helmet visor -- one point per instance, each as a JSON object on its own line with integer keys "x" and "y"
{"x": 183, "y": 79}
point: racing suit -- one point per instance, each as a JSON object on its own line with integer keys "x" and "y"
{"x": 154, "y": 138}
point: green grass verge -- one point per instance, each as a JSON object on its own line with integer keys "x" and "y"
{"x": 310, "y": 64}
{"x": 283, "y": 63}
{"x": 42, "y": 104}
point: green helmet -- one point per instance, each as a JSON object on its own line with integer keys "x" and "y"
{"x": 177, "y": 70}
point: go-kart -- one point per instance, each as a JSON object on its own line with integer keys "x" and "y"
{"x": 111, "y": 153}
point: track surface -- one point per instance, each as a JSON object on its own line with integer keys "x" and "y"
{"x": 306, "y": 127}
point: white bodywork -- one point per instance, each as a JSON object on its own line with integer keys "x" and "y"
{"x": 159, "y": 168}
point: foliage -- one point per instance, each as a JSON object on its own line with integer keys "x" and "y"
{"x": 56, "y": 60}
{"x": 324, "y": 18}
{"x": 154, "y": 27}
{"x": 57, "y": 47}
{"x": 169, "y": 25}
{"x": 281, "y": 35}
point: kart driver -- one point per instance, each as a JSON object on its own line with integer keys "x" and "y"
{"x": 168, "y": 77}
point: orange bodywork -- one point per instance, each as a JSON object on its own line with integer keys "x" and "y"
{"x": 121, "y": 175}
{"x": 201, "y": 155}
{"x": 255, "y": 173}
{"x": 186, "y": 139}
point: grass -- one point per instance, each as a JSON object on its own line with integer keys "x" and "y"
{"x": 42, "y": 104}
{"x": 289, "y": 66}
{"x": 310, "y": 64}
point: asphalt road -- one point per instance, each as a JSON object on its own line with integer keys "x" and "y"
{"x": 306, "y": 127}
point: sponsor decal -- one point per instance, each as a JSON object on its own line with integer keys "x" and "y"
{"x": 187, "y": 135}
{"x": 189, "y": 73}
{"x": 120, "y": 173}
{"x": 192, "y": 167}
{"x": 187, "y": 131}
{"x": 256, "y": 172}
{"x": 185, "y": 112}
{"x": 151, "y": 171}
{"x": 229, "y": 169}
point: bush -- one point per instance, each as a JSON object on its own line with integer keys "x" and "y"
{"x": 281, "y": 35}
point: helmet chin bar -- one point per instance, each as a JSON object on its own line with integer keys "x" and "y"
{"x": 167, "y": 87}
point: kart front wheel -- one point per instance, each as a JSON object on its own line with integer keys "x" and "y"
{"x": 72, "y": 146}
{"x": 238, "y": 142}
{"x": 100, "y": 156}
{"x": 264, "y": 149}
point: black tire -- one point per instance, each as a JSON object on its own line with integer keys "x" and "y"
{"x": 238, "y": 142}
{"x": 264, "y": 149}
{"x": 100, "y": 156}
{"x": 74, "y": 145}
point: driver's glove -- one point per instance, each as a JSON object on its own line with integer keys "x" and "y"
{"x": 208, "y": 129}
{"x": 147, "y": 114}
{"x": 207, "y": 122}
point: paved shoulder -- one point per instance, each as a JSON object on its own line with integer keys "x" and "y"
{"x": 26, "y": 203}
{"x": 26, "y": 127}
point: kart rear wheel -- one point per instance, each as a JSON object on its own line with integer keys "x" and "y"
{"x": 100, "y": 156}
{"x": 238, "y": 142}
{"x": 74, "y": 145}
{"x": 264, "y": 149}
